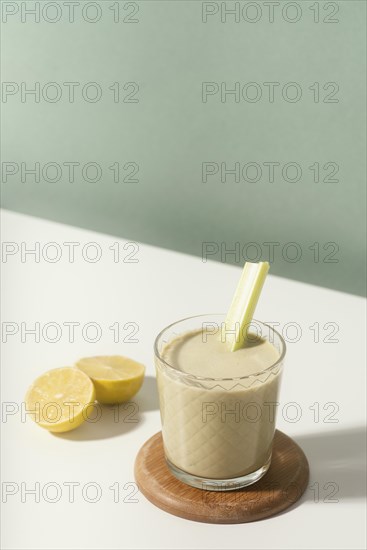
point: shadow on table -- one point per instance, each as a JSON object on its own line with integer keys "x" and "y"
{"x": 147, "y": 398}
{"x": 115, "y": 420}
{"x": 337, "y": 467}
{"x": 337, "y": 464}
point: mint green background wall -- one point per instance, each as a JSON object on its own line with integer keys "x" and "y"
{"x": 170, "y": 132}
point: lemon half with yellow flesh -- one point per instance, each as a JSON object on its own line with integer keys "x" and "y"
{"x": 61, "y": 399}
{"x": 115, "y": 378}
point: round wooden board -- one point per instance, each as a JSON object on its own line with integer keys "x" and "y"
{"x": 283, "y": 484}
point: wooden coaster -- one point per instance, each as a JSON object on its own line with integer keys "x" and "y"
{"x": 283, "y": 484}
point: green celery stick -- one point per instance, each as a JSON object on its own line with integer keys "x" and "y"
{"x": 243, "y": 305}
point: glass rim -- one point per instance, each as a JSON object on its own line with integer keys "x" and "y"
{"x": 190, "y": 376}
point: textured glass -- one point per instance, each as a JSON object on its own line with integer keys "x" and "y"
{"x": 217, "y": 429}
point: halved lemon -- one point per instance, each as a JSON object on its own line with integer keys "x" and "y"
{"x": 61, "y": 399}
{"x": 115, "y": 378}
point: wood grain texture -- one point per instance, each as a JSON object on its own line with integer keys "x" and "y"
{"x": 283, "y": 484}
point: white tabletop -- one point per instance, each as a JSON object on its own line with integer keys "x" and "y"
{"x": 323, "y": 385}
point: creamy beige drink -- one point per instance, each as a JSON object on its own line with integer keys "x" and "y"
{"x": 217, "y": 406}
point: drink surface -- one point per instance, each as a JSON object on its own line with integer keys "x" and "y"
{"x": 204, "y": 354}
{"x": 218, "y": 429}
